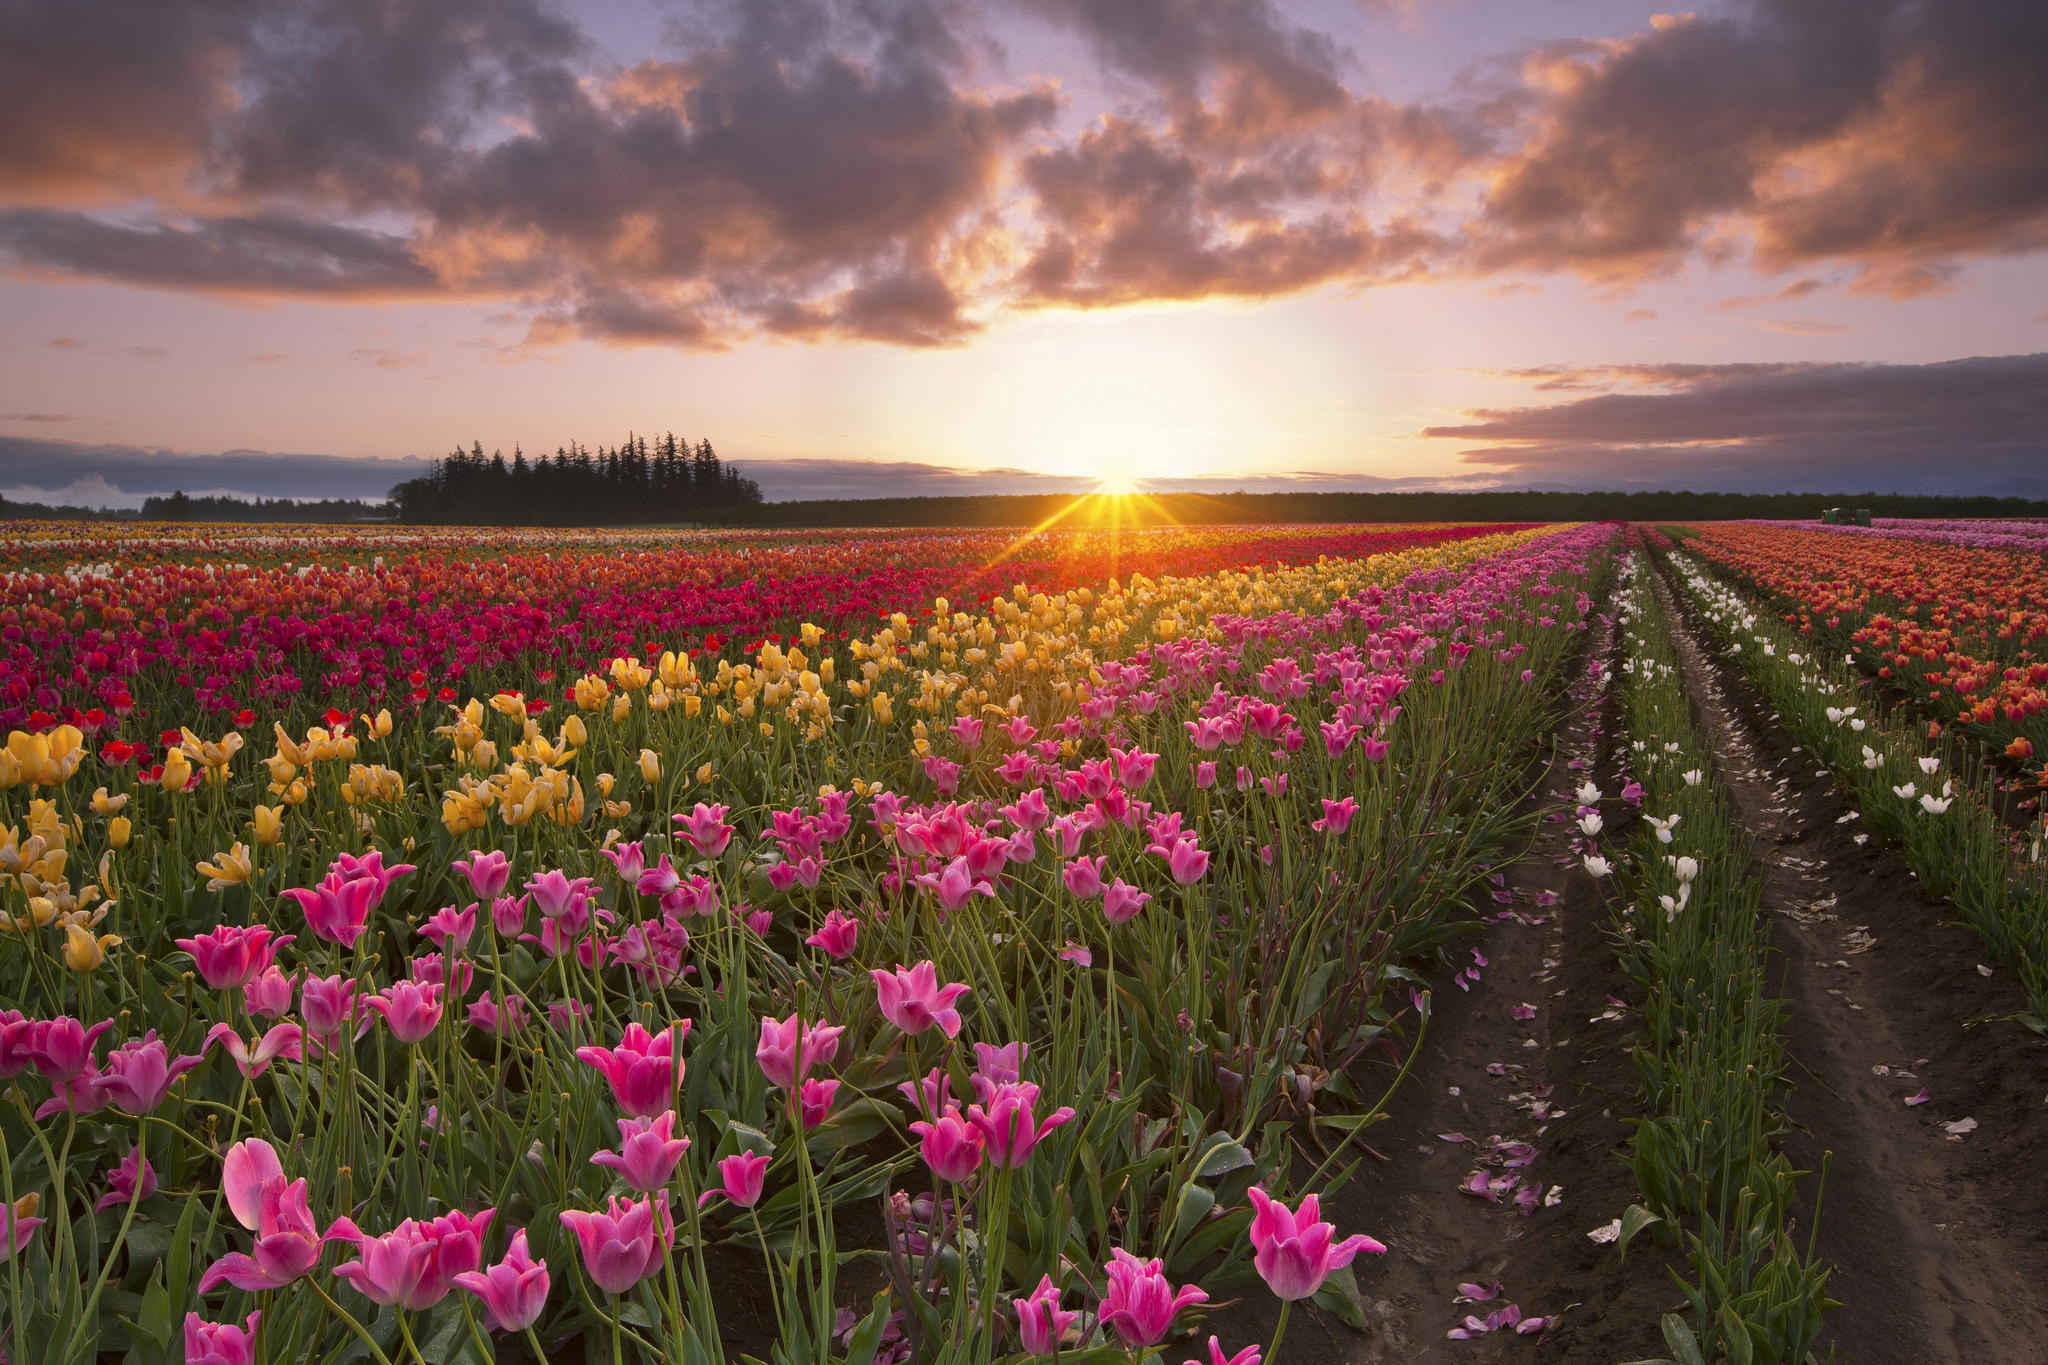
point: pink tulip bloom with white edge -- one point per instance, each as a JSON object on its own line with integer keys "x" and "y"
{"x": 514, "y": 1291}
{"x": 287, "y": 1243}
{"x": 912, "y": 999}
{"x": 1293, "y": 1251}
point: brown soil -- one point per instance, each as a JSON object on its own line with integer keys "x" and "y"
{"x": 1937, "y": 1239}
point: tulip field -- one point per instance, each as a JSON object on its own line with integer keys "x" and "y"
{"x": 436, "y": 946}
{"x": 424, "y": 945}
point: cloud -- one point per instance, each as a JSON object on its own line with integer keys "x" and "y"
{"x": 875, "y": 170}
{"x": 1893, "y": 136}
{"x": 1804, "y": 327}
{"x": 34, "y": 417}
{"x": 65, "y": 344}
{"x": 384, "y": 359}
{"x": 1975, "y": 425}
{"x": 1640, "y": 315}
{"x": 40, "y": 470}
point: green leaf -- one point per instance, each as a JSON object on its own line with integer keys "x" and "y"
{"x": 1191, "y": 1208}
{"x": 1222, "y": 1155}
{"x": 1633, "y": 1220}
{"x": 1684, "y": 1345}
{"x": 1339, "y": 1295}
{"x": 867, "y": 1337}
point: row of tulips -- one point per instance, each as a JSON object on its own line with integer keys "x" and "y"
{"x": 1133, "y": 867}
{"x": 1915, "y": 789}
{"x": 1960, "y": 630}
{"x": 122, "y": 647}
{"x": 1693, "y": 940}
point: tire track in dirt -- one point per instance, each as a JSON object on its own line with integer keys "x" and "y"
{"x": 1937, "y": 1239}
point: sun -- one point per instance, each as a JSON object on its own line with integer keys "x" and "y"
{"x": 1117, "y": 483}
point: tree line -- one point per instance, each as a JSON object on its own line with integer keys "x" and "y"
{"x": 639, "y": 481}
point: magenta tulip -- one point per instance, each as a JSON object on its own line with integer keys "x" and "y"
{"x": 648, "y": 1152}
{"x": 1293, "y": 1252}
{"x": 623, "y": 1245}
{"x": 514, "y": 1291}
{"x": 913, "y": 1000}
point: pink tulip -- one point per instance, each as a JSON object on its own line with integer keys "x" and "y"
{"x": 1041, "y": 1323}
{"x": 913, "y": 1000}
{"x": 995, "y": 1066}
{"x": 1336, "y": 816}
{"x": 837, "y": 935}
{"x": 16, "y": 1031}
{"x": 287, "y": 1243}
{"x": 412, "y": 1009}
{"x": 956, "y": 884}
{"x": 628, "y": 860}
{"x": 1250, "y": 1355}
{"x": 1007, "y": 1123}
{"x": 643, "y": 1069}
{"x": 269, "y": 996}
{"x": 623, "y": 1245}
{"x": 1205, "y": 775}
{"x": 1121, "y": 902}
{"x": 220, "y": 1343}
{"x": 415, "y": 1264}
{"x": 61, "y": 1048}
{"x": 1083, "y": 876}
{"x": 283, "y": 1040}
{"x": 706, "y": 829}
{"x": 133, "y": 1179}
{"x": 327, "y": 1004}
{"x": 648, "y": 1152}
{"x": 487, "y": 1017}
{"x": 787, "y": 1051}
{"x": 562, "y": 898}
{"x": 1293, "y": 1251}
{"x": 486, "y": 873}
{"x": 231, "y": 956}
{"x": 814, "y": 1101}
{"x": 741, "y": 1177}
{"x": 15, "y": 1230}
{"x": 1141, "y": 1303}
{"x": 1184, "y": 859}
{"x": 514, "y": 1291}
{"x": 951, "y": 1145}
{"x": 336, "y": 910}
{"x": 138, "y": 1074}
{"x": 508, "y": 915}
{"x": 449, "y": 926}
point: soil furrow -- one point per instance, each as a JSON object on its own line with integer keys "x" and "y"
{"x": 1936, "y": 1237}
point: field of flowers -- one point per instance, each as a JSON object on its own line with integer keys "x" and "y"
{"x": 1960, "y": 628}
{"x": 453, "y": 947}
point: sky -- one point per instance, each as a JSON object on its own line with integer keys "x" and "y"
{"x": 878, "y": 247}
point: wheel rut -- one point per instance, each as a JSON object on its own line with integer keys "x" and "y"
{"x": 1937, "y": 1236}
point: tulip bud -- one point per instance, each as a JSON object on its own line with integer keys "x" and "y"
{"x": 117, "y": 831}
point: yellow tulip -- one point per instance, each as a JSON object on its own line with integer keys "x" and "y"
{"x": 83, "y": 952}
{"x": 103, "y": 804}
{"x": 380, "y": 725}
{"x": 269, "y": 824}
{"x": 117, "y": 831}
{"x": 650, "y": 765}
{"x": 227, "y": 869}
{"x": 177, "y": 771}
{"x": 574, "y": 733}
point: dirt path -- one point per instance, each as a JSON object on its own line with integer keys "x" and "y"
{"x": 1939, "y": 1240}
{"x": 1554, "y": 1081}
